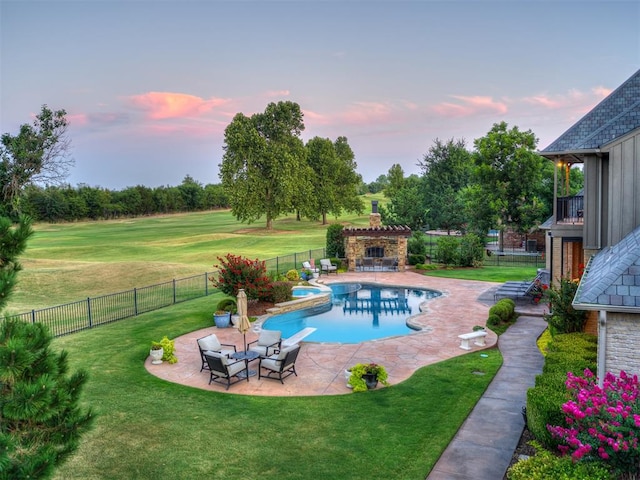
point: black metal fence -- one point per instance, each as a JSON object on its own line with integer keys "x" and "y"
{"x": 91, "y": 312}
{"x": 281, "y": 265}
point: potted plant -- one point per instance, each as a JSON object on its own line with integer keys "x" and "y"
{"x": 365, "y": 376}
{"x": 306, "y": 274}
{"x": 163, "y": 350}
{"x": 156, "y": 353}
{"x": 224, "y": 309}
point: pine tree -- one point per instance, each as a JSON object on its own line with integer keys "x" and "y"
{"x": 40, "y": 420}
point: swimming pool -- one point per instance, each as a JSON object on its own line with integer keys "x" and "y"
{"x": 305, "y": 291}
{"x": 357, "y": 313}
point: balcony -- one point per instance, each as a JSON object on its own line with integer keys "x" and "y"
{"x": 570, "y": 210}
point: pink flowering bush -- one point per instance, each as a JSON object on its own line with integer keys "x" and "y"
{"x": 602, "y": 422}
{"x": 236, "y": 272}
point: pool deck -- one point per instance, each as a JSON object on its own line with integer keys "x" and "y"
{"x": 321, "y": 366}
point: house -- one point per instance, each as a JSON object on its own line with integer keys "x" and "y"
{"x": 598, "y": 231}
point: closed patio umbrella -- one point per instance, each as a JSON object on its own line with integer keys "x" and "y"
{"x": 243, "y": 324}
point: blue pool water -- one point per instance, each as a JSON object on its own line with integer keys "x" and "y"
{"x": 304, "y": 291}
{"x": 356, "y": 313}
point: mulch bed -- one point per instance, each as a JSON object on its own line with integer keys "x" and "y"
{"x": 256, "y": 308}
{"x": 523, "y": 447}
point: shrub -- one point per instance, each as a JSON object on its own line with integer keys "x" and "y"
{"x": 169, "y": 349}
{"x": 543, "y": 408}
{"x": 471, "y": 251}
{"x": 335, "y": 241}
{"x": 504, "y": 309}
{"x": 417, "y": 245}
{"x": 563, "y": 318}
{"x": 427, "y": 266}
{"x": 280, "y": 292}
{"x": 416, "y": 258}
{"x": 602, "y": 422}
{"x": 447, "y": 250}
{"x": 493, "y": 320}
{"x": 292, "y": 275}
{"x": 544, "y": 465}
{"x": 235, "y": 272}
{"x": 228, "y": 304}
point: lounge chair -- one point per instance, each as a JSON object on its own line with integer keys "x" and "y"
{"x": 223, "y": 370}
{"x": 327, "y": 267}
{"x": 211, "y": 344}
{"x": 268, "y": 343}
{"x": 280, "y": 366}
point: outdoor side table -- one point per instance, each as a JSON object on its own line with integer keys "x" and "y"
{"x": 247, "y": 356}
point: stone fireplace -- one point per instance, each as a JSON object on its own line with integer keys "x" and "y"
{"x": 377, "y": 247}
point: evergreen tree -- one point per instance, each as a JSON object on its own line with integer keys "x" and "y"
{"x": 40, "y": 420}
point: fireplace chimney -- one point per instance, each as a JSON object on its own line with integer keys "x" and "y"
{"x": 374, "y": 218}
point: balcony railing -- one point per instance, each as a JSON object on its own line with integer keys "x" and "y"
{"x": 570, "y": 210}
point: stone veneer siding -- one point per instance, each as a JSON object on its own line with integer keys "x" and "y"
{"x": 623, "y": 338}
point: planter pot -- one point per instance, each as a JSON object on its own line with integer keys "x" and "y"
{"x": 347, "y": 376}
{"x": 156, "y": 356}
{"x": 371, "y": 380}
{"x": 222, "y": 320}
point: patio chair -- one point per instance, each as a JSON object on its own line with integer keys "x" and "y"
{"x": 223, "y": 370}
{"x": 280, "y": 366}
{"x": 307, "y": 266}
{"x": 268, "y": 343}
{"x": 368, "y": 263}
{"x": 327, "y": 267}
{"x": 211, "y": 344}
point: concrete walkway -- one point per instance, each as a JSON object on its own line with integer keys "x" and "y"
{"x": 483, "y": 447}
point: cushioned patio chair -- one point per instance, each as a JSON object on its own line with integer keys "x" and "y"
{"x": 268, "y": 343}
{"x": 327, "y": 267}
{"x": 210, "y": 343}
{"x": 223, "y": 370}
{"x": 281, "y": 365}
{"x": 307, "y": 266}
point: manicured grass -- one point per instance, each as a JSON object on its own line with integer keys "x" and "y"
{"x": 147, "y": 428}
{"x": 486, "y": 274}
{"x": 69, "y": 262}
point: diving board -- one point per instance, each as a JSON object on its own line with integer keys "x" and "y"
{"x": 297, "y": 337}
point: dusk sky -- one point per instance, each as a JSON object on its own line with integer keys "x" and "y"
{"x": 149, "y": 86}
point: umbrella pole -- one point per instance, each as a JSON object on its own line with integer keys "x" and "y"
{"x": 244, "y": 335}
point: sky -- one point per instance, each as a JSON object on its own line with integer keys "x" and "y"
{"x": 150, "y": 86}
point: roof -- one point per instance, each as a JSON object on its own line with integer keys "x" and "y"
{"x": 382, "y": 231}
{"x": 611, "y": 280}
{"x": 613, "y": 117}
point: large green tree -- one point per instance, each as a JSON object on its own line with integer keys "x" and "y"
{"x": 39, "y": 153}
{"x": 264, "y": 164}
{"x": 335, "y": 184}
{"x": 40, "y": 420}
{"x": 447, "y": 168}
{"x": 509, "y": 173}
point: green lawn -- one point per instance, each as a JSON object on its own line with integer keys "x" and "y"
{"x": 147, "y": 428}
{"x": 487, "y": 273}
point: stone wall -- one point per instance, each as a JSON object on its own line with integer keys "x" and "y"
{"x": 623, "y": 338}
{"x": 395, "y": 247}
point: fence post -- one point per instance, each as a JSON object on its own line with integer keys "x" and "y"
{"x": 135, "y": 301}
{"x": 174, "y": 291}
{"x": 89, "y": 312}
{"x": 33, "y": 316}
{"x": 206, "y": 284}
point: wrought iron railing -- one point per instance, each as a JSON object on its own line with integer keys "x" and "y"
{"x": 570, "y": 209}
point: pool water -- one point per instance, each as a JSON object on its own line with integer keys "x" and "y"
{"x": 356, "y": 313}
{"x": 304, "y": 291}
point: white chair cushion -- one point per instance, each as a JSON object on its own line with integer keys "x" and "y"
{"x": 269, "y": 337}
{"x": 210, "y": 342}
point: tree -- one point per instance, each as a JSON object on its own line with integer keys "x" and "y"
{"x": 38, "y": 154}
{"x": 336, "y": 182}
{"x": 335, "y": 241}
{"x": 447, "y": 169}
{"x": 263, "y": 166}
{"x": 406, "y": 207}
{"x": 509, "y": 172}
{"x": 395, "y": 179}
{"x": 40, "y": 420}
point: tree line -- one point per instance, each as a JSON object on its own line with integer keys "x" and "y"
{"x": 66, "y": 203}
{"x": 502, "y": 183}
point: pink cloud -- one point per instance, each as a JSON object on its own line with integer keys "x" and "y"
{"x": 470, "y": 106}
{"x": 162, "y": 105}
{"x": 363, "y": 113}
